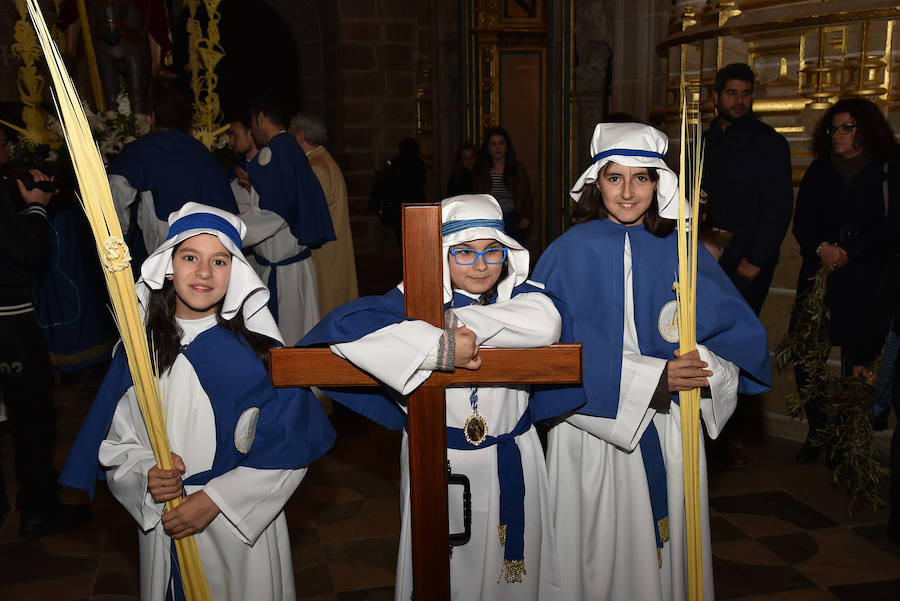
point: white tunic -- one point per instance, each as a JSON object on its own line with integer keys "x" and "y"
{"x": 245, "y": 550}
{"x": 271, "y": 238}
{"x": 603, "y": 518}
{"x": 394, "y": 355}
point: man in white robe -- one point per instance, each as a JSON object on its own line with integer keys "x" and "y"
{"x": 286, "y": 216}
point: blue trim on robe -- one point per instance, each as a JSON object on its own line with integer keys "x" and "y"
{"x": 585, "y": 267}
{"x": 291, "y": 432}
{"x": 288, "y": 187}
{"x": 196, "y": 221}
{"x": 176, "y": 168}
{"x": 628, "y": 152}
{"x": 371, "y": 313}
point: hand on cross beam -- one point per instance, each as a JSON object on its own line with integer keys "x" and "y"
{"x": 465, "y": 349}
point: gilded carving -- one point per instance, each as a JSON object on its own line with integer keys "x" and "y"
{"x": 30, "y": 82}
{"x": 487, "y": 14}
{"x": 205, "y": 52}
{"x": 799, "y": 68}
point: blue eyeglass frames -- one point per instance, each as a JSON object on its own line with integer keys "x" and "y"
{"x": 468, "y": 256}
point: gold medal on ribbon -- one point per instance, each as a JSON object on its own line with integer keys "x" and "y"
{"x": 475, "y": 429}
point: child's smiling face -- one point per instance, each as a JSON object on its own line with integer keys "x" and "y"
{"x": 201, "y": 273}
{"x": 627, "y": 192}
{"x": 480, "y": 276}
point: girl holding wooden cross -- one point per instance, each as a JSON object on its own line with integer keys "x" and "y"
{"x": 491, "y": 440}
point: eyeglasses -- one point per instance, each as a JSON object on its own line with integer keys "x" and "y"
{"x": 468, "y": 256}
{"x": 844, "y": 129}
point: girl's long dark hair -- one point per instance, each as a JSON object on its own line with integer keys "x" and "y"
{"x": 510, "y": 164}
{"x": 590, "y": 207}
{"x": 164, "y": 333}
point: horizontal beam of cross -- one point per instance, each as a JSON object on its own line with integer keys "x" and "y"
{"x": 559, "y": 364}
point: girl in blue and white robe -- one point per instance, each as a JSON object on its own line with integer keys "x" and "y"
{"x": 373, "y": 334}
{"x": 242, "y": 444}
{"x": 615, "y": 465}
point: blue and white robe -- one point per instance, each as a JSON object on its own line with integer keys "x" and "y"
{"x": 617, "y": 284}
{"x": 247, "y": 449}
{"x": 286, "y": 215}
{"x": 371, "y": 333}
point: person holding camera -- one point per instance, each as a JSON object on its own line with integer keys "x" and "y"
{"x": 25, "y": 373}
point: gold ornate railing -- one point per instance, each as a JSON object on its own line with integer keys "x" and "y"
{"x": 806, "y": 54}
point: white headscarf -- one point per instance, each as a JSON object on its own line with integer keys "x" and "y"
{"x": 632, "y": 145}
{"x": 471, "y": 217}
{"x": 245, "y": 292}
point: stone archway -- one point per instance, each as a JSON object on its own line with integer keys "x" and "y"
{"x": 303, "y": 19}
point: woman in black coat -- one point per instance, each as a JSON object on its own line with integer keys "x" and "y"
{"x": 842, "y": 221}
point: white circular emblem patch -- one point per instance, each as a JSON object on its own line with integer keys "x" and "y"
{"x": 668, "y": 321}
{"x": 265, "y": 156}
{"x": 245, "y": 431}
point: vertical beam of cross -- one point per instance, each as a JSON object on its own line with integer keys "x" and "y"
{"x": 423, "y": 299}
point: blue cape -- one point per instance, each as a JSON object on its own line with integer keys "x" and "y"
{"x": 176, "y": 168}
{"x": 291, "y": 432}
{"x": 585, "y": 268}
{"x": 288, "y": 186}
{"x": 371, "y": 313}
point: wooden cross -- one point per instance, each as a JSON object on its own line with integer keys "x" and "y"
{"x": 423, "y": 299}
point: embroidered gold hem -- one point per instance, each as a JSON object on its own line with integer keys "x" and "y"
{"x": 512, "y": 570}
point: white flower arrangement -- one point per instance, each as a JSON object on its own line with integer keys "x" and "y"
{"x": 113, "y": 129}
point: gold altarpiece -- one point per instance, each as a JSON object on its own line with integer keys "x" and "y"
{"x": 806, "y": 54}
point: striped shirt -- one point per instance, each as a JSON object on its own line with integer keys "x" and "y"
{"x": 502, "y": 193}
{"x": 20, "y": 309}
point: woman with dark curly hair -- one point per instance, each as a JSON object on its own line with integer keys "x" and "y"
{"x": 844, "y": 222}
{"x": 499, "y": 174}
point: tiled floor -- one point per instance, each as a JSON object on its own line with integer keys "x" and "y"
{"x": 781, "y": 531}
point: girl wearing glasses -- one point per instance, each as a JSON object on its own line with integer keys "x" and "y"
{"x": 846, "y": 219}
{"x": 489, "y": 301}
{"x": 615, "y": 466}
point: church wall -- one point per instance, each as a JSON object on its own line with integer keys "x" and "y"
{"x": 375, "y": 57}
{"x": 361, "y": 69}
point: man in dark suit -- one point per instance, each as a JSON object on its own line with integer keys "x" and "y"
{"x": 748, "y": 184}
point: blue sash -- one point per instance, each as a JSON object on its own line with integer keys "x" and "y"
{"x": 272, "y": 282}
{"x": 655, "y": 469}
{"x": 512, "y": 482}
